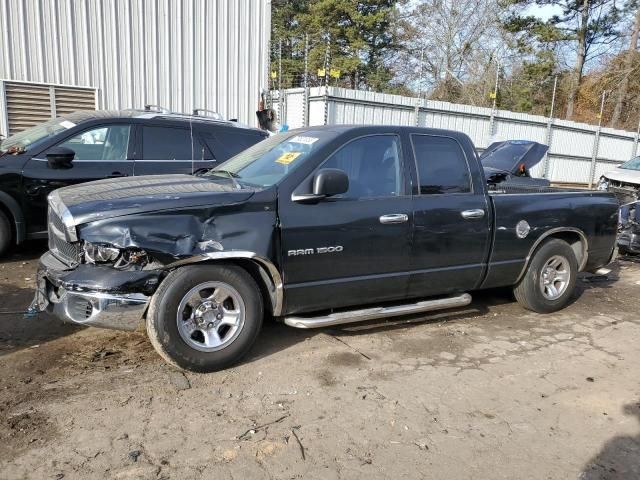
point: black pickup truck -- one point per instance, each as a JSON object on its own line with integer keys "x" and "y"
{"x": 314, "y": 227}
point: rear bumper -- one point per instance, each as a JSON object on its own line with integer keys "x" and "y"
{"x": 69, "y": 295}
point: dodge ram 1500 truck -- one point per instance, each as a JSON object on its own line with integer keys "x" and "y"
{"x": 314, "y": 227}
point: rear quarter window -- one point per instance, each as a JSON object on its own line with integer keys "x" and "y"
{"x": 227, "y": 142}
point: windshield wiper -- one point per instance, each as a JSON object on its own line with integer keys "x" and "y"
{"x": 231, "y": 175}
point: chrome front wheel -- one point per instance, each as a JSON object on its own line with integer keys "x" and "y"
{"x": 210, "y": 316}
{"x": 205, "y": 317}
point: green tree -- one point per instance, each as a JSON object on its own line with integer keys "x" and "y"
{"x": 360, "y": 36}
{"x": 583, "y": 25}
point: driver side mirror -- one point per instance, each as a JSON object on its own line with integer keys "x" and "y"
{"x": 326, "y": 183}
{"x": 329, "y": 182}
{"x": 60, "y": 158}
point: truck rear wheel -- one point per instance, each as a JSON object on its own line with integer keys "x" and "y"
{"x": 205, "y": 317}
{"x": 5, "y": 233}
{"x": 550, "y": 278}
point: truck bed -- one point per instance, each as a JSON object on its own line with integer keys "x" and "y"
{"x": 544, "y": 210}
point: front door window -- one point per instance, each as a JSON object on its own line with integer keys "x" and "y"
{"x": 107, "y": 143}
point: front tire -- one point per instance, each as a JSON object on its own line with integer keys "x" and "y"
{"x": 205, "y": 318}
{"x": 550, "y": 278}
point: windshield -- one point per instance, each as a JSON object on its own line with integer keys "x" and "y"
{"x": 268, "y": 161}
{"x": 21, "y": 142}
{"x": 633, "y": 164}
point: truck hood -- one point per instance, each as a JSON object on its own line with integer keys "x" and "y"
{"x": 123, "y": 196}
{"x": 508, "y": 156}
{"x": 624, "y": 175}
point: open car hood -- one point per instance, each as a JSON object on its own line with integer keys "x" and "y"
{"x": 511, "y": 155}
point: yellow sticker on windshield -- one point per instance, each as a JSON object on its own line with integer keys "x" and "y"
{"x": 287, "y": 158}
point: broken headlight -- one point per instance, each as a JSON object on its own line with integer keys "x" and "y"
{"x": 603, "y": 184}
{"x": 97, "y": 253}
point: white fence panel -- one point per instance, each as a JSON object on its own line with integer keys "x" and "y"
{"x": 571, "y": 144}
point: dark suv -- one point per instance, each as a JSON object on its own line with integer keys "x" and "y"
{"x": 93, "y": 145}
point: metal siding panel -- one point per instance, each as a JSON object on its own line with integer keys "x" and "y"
{"x": 616, "y": 148}
{"x": 179, "y": 54}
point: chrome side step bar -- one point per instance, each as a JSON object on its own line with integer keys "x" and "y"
{"x": 378, "y": 312}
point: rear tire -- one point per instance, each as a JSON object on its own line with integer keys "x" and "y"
{"x": 205, "y": 318}
{"x": 550, "y": 278}
{"x": 5, "y": 233}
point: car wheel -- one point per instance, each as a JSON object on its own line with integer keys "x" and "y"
{"x": 206, "y": 317}
{"x": 550, "y": 278}
{"x": 5, "y": 233}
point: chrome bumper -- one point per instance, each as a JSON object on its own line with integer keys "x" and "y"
{"x": 103, "y": 310}
{"x": 77, "y": 302}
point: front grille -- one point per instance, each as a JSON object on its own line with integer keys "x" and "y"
{"x": 65, "y": 251}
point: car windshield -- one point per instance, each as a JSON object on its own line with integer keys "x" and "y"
{"x": 268, "y": 161}
{"x": 633, "y": 164}
{"x": 26, "y": 139}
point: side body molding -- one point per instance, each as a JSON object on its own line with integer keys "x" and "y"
{"x": 268, "y": 271}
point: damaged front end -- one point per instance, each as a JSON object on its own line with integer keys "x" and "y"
{"x": 103, "y": 272}
{"x": 112, "y": 295}
{"x": 93, "y": 295}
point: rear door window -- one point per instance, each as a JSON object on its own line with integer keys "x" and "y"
{"x": 227, "y": 142}
{"x": 169, "y": 143}
{"x": 442, "y": 165}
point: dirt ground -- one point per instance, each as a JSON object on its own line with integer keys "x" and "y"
{"x": 488, "y": 392}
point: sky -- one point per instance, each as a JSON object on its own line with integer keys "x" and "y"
{"x": 544, "y": 12}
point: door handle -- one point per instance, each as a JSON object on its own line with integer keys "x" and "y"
{"x": 394, "y": 218}
{"x": 471, "y": 214}
{"x": 116, "y": 175}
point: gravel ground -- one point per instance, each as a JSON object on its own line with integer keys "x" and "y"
{"x": 491, "y": 391}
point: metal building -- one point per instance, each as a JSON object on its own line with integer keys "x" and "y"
{"x": 57, "y": 56}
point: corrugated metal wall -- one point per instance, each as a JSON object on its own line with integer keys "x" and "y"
{"x": 180, "y": 54}
{"x": 571, "y": 149}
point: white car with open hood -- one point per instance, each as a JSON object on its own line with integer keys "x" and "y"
{"x": 624, "y": 181}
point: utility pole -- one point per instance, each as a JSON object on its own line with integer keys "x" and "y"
{"x": 550, "y": 128}
{"x": 634, "y": 153}
{"x": 280, "y": 92}
{"x": 327, "y": 55}
{"x": 492, "y": 119}
{"x": 269, "y": 83}
{"x": 596, "y": 142}
{"x": 305, "y": 105}
{"x": 419, "y": 101}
